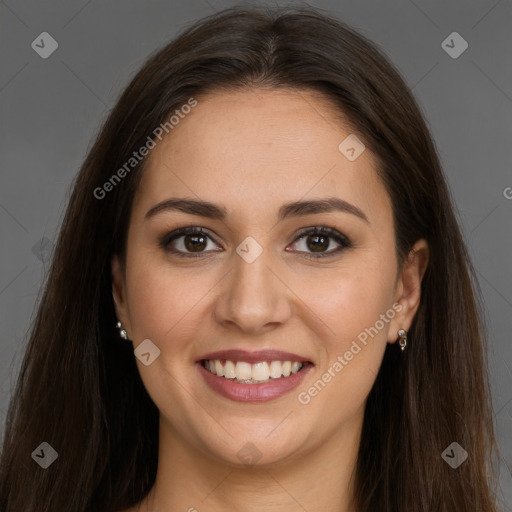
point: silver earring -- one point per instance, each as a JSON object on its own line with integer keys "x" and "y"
{"x": 122, "y": 332}
{"x": 403, "y": 338}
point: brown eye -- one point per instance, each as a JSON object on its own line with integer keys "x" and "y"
{"x": 189, "y": 241}
{"x": 195, "y": 242}
{"x": 316, "y": 242}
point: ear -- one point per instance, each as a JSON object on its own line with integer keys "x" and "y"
{"x": 119, "y": 294}
{"x": 408, "y": 289}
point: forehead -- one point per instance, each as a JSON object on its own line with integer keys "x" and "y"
{"x": 251, "y": 150}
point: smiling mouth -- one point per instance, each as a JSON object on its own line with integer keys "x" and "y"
{"x": 257, "y": 373}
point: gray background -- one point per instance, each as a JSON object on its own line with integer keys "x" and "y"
{"x": 51, "y": 109}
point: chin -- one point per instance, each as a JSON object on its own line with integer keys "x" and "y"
{"x": 255, "y": 447}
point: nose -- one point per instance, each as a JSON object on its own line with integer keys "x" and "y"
{"x": 253, "y": 297}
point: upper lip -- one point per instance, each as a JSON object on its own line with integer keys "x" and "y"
{"x": 254, "y": 357}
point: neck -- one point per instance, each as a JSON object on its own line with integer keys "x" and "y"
{"x": 319, "y": 479}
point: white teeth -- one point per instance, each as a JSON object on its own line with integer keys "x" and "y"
{"x": 260, "y": 371}
{"x": 252, "y": 373}
{"x": 229, "y": 370}
{"x": 296, "y": 366}
{"x": 276, "y": 369}
{"x": 243, "y": 371}
{"x": 219, "y": 370}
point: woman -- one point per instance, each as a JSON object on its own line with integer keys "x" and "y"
{"x": 260, "y": 298}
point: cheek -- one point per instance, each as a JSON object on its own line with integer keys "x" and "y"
{"x": 350, "y": 300}
{"x": 167, "y": 306}
{"x": 357, "y": 310}
{"x": 163, "y": 301}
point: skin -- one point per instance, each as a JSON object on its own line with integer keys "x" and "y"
{"x": 251, "y": 151}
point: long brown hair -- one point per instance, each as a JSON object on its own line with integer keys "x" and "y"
{"x": 79, "y": 388}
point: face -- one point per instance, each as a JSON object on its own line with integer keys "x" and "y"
{"x": 259, "y": 279}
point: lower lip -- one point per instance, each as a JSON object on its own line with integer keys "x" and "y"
{"x": 253, "y": 392}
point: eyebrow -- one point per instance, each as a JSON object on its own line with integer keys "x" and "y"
{"x": 293, "y": 209}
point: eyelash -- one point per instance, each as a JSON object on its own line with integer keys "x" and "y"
{"x": 317, "y": 230}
